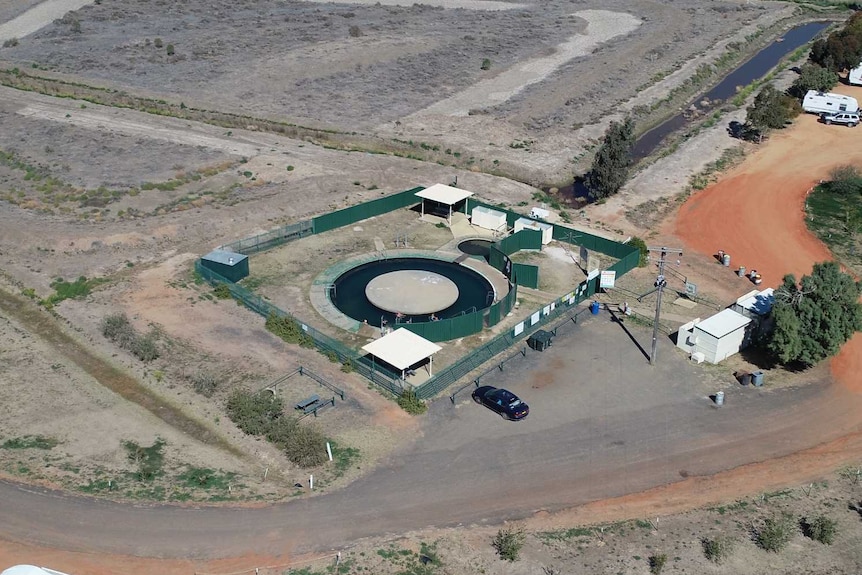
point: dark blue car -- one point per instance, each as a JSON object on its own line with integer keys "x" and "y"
{"x": 502, "y": 401}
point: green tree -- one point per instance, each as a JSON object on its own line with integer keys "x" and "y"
{"x": 813, "y": 77}
{"x": 815, "y": 317}
{"x": 841, "y": 50}
{"x": 611, "y": 164}
{"x": 771, "y": 110}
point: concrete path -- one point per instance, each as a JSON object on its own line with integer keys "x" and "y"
{"x": 38, "y": 17}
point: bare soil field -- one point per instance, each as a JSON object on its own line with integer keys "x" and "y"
{"x": 529, "y": 76}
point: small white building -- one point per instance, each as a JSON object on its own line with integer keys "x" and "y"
{"x": 29, "y": 570}
{"x": 716, "y": 338}
{"x": 488, "y": 219}
{"x": 546, "y": 229}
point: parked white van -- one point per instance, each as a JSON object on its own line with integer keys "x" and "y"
{"x": 827, "y": 103}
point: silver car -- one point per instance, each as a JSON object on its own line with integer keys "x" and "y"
{"x": 847, "y": 118}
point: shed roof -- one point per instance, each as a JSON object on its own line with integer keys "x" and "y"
{"x": 402, "y": 348}
{"x": 444, "y": 194}
{"x": 758, "y": 302}
{"x": 225, "y": 257}
{"x": 723, "y": 323}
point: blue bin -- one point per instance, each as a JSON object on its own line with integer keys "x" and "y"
{"x": 757, "y": 378}
{"x": 594, "y": 308}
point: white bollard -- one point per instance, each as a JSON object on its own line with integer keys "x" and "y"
{"x": 329, "y": 451}
{"x": 311, "y": 482}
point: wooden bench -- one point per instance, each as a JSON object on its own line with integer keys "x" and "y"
{"x": 308, "y": 404}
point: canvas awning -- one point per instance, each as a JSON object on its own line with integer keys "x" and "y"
{"x": 402, "y": 348}
{"x": 443, "y": 194}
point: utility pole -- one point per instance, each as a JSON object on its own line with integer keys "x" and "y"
{"x": 660, "y": 283}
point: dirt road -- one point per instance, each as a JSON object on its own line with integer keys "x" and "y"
{"x": 38, "y": 17}
{"x": 756, "y": 213}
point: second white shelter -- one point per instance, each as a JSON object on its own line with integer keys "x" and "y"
{"x": 446, "y": 196}
{"x": 546, "y": 229}
{"x": 403, "y": 349}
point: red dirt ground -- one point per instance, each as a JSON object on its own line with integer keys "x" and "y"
{"x": 756, "y": 212}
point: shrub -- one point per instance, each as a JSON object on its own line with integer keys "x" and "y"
{"x": 289, "y": 330}
{"x": 10, "y": 43}
{"x": 145, "y": 348}
{"x": 303, "y": 445}
{"x": 821, "y": 528}
{"x": 775, "y": 533}
{"x": 222, "y": 291}
{"x": 147, "y": 459}
{"x": 158, "y": 43}
{"x": 718, "y": 549}
{"x": 813, "y": 77}
{"x": 254, "y": 412}
{"x": 656, "y": 563}
{"x": 845, "y": 180}
{"x": 410, "y": 403}
{"x": 347, "y": 366}
{"x": 486, "y": 64}
{"x": 354, "y": 31}
{"x": 638, "y": 243}
{"x": 169, "y": 50}
{"x": 204, "y": 383}
{"x": 508, "y": 542}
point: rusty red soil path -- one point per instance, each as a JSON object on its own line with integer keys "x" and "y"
{"x": 756, "y": 213}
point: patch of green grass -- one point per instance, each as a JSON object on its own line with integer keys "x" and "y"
{"x": 205, "y": 478}
{"x": 837, "y": 220}
{"x": 566, "y": 534}
{"x": 30, "y": 442}
{"x": 149, "y": 460}
{"x": 77, "y": 289}
{"x": 343, "y": 457}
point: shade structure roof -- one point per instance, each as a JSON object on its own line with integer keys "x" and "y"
{"x": 725, "y": 322}
{"x": 444, "y": 194}
{"x": 402, "y": 348}
{"x": 759, "y": 302}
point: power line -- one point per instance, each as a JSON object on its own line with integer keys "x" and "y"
{"x": 660, "y": 283}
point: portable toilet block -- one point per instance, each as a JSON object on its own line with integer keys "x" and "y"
{"x": 488, "y": 219}
{"x": 546, "y": 229}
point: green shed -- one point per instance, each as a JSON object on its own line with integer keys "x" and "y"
{"x": 229, "y": 265}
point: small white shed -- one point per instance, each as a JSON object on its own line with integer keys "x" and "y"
{"x": 720, "y": 336}
{"x": 489, "y": 219}
{"x": 546, "y": 229}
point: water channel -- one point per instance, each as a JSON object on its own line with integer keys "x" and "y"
{"x": 753, "y": 69}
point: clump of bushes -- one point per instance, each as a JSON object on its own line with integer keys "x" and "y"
{"x": 222, "y": 291}
{"x": 775, "y": 533}
{"x": 508, "y": 542}
{"x": 262, "y": 414}
{"x": 410, "y": 403}
{"x": 204, "y": 383}
{"x": 148, "y": 460}
{"x": 289, "y": 330}
{"x": 118, "y": 329}
{"x": 717, "y": 549}
{"x": 821, "y": 528}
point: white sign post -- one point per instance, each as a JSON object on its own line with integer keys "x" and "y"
{"x": 607, "y": 279}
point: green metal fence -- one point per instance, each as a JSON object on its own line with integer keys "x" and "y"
{"x": 525, "y": 239}
{"x": 452, "y": 328}
{"x": 366, "y": 210}
{"x": 526, "y": 275}
{"x": 271, "y": 239}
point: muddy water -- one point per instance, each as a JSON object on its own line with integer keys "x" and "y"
{"x": 42, "y": 325}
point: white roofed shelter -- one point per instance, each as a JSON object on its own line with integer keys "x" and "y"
{"x": 402, "y": 349}
{"x": 444, "y": 195}
{"x": 721, "y": 335}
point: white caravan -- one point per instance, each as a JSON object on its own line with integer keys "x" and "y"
{"x": 854, "y": 78}
{"x": 828, "y": 103}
